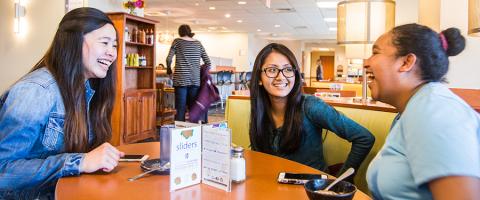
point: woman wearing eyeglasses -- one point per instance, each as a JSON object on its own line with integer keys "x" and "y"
{"x": 286, "y": 123}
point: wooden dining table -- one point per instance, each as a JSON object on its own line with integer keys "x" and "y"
{"x": 261, "y": 183}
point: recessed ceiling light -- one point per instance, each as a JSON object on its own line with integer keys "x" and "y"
{"x": 197, "y": 4}
{"x": 227, "y": 15}
{"x": 327, "y": 4}
{"x": 239, "y": 21}
{"x": 330, "y": 19}
{"x": 276, "y": 26}
{"x": 211, "y": 8}
{"x": 259, "y": 30}
{"x": 154, "y": 14}
{"x": 323, "y": 49}
{"x": 242, "y": 2}
{"x": 332, "y": 29}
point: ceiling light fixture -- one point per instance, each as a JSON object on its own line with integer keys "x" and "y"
{"x": 323, "y": 49}
{"x": 474, "y": 18}
{"x": 330, "y": 19}
{"x": 242, "y": 2}
{"x": 276, "y": 26}
{"x": 327, "y": 4}
{"x": 258, "y": 30}
{"x": 360, "y": 23}
{"x": 268, "y": 3}
{"x": 211, "y": 8}
{"x": 239, "y": 21}
{"x": 227, "y": 15}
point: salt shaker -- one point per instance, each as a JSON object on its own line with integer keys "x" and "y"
{"x": 237, "y": 165}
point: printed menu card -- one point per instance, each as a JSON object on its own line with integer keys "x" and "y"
{"x": 186, "y": 157}
{"x": 200, "y": 154}
{"x": 216, "y": 157}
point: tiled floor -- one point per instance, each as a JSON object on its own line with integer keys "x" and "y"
{"x": 216, "y": 115}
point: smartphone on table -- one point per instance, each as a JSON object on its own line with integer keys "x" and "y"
{"x": 133, "y": 158}
{"x": 298, "y": 178}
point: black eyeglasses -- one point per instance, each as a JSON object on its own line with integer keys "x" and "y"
{"x": 272, "y": 72}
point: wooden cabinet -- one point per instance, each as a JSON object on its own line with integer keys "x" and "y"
{"x": 133, "y": 117}
{"x": 139, "y": 118}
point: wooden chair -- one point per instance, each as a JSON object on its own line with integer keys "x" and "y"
{"x": 165, "y": 115}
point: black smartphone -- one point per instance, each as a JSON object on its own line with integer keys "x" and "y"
{"x": 133, "y": 158}
{"x": 298, "y": 179}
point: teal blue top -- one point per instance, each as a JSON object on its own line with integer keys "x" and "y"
{"x": 437, "y": 135}
{"x": 318, "y": 115}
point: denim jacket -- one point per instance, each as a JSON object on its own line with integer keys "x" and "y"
{"x": 32, "y": 154}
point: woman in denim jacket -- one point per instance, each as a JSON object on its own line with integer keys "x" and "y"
{"x": 51, "y": 123}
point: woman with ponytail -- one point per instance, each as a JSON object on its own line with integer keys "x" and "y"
{"x": 433, "y": 148}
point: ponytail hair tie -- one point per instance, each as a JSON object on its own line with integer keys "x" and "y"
{"x": 443, "y": 39}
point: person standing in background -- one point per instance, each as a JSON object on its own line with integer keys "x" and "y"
{"x": 319, "y": 69}
{"x": 433, "y": 148}
{"x": 186, "y": 77}
{"x": 55, "y": 121}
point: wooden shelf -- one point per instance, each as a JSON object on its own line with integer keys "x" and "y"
{"x": 138, "y": 44}
{"x": 140, "y": 67}
{"x": 134, "y": 116}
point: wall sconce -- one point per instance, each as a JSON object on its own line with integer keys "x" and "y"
{"x": 19, "y": 16}
{"x": 474, "y": 18}
{"x": 361, "y": 22}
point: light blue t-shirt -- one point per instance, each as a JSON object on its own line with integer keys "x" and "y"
{"x": 437, "y": 135}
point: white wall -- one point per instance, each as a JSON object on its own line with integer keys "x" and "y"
{"x": 406, "y": 11}
{"x": 296, "y": 47}
{"x": 227, "y": 45}
{"x": 464, "y": 68}
{"x": 161, "y": 52}
{"x": 19, "y": 53}
{"x": 22, "y": 51}
{"x": 255, "y": 45}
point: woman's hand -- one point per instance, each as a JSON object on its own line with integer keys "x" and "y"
{"x": 103, "y": 157}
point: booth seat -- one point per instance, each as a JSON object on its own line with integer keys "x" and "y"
{"x": 237, "y": 114}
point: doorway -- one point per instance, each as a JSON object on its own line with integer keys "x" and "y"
{"x": 327, "y": 61}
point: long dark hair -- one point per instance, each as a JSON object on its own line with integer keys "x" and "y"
{"x": 261, "y": 121}
{"x": 64, "y": 60}
{"x": 426, "y": 44}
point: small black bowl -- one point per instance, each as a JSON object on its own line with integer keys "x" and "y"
{"x": 344, "y": 190}
{"x": 147, "y": 165}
